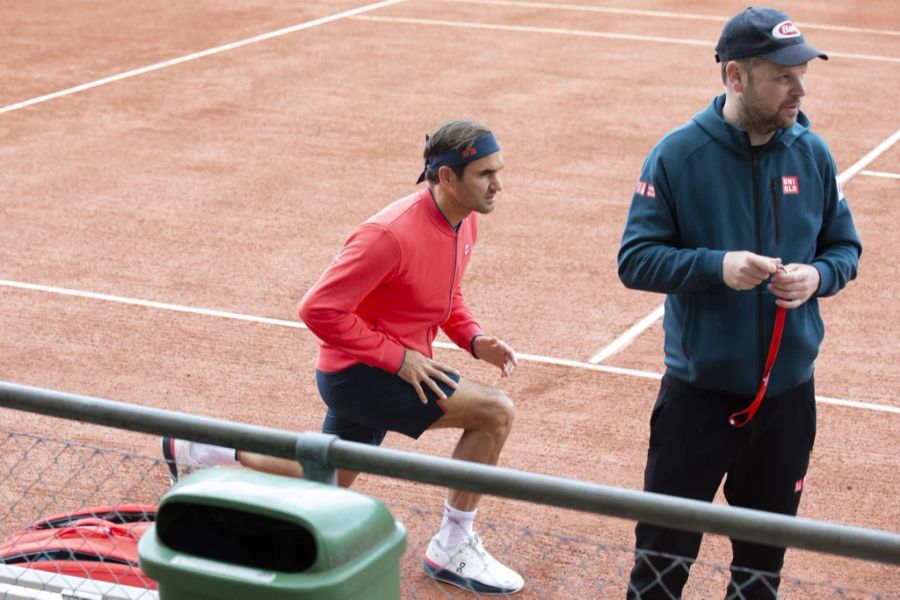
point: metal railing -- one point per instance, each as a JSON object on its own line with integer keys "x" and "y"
{"x": 321, "y": 454}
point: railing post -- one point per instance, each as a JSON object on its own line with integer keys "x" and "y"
{"x": 312, "y": 452}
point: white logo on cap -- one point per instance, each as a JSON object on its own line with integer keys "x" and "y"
{"x": 785, "y": 29}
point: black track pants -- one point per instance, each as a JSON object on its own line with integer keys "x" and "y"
{"x": 692, "y": 447}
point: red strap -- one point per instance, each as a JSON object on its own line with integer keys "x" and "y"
{"x": 741, "y": 418}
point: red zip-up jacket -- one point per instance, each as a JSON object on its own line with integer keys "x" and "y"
{"x": 394, "y": 283}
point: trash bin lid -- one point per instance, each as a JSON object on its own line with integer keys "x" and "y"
{"x": 340, "y": 523}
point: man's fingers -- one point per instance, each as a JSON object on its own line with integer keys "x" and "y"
{"x": 787, "y": 303}
{"x": 443, "y": 377}
{"x": 435, "y": 388}
{"x": 507, "y": 368}
{"x": 420, "y": 393}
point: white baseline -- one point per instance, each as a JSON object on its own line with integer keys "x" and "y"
{"x": 880, "y": 174}
{"x": 587, "y": 33}
{"x": 658, "y": 14}
{"x": 536, "y": 358}
{"x": 204, "y": 53}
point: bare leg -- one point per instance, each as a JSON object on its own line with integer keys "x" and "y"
{"x": 486, "y": 415}
{"x": 287, "y": 467}
{"x": 456, "y": 554}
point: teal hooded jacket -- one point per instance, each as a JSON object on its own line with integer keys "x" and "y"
{"x": 704, "y": 191}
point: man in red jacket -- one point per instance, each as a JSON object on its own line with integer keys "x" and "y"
{"x": 376, "y": 311}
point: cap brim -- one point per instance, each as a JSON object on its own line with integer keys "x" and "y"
{"x": 797, "y": 54}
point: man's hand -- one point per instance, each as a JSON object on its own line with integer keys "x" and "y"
{"x": 418, "y": 369}
{"x": 497, "y": 352}
{"x": 742, "y": 270}
{"x": 794, "y": 284}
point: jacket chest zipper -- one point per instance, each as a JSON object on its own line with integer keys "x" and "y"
{"x": 450, "y": 291}
{"x": 777, "y": 211}
{"x": 760, "y": 335}
{"x": 452, "y": 275}
{"x": 756, "y": 205}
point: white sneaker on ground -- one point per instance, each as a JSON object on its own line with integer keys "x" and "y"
{"x": 178, "y": 458}
{"x": 470, "y": 567}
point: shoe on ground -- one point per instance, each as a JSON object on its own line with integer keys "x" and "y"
{"x": 178, "y": 458}
{"x": 470, "y": 567}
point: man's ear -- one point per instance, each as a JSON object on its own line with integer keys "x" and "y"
{"x": 446, "y": 175}
{"x": 736, "y": 76}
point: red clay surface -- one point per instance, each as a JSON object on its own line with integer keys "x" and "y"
{"x": 229, "y": 182}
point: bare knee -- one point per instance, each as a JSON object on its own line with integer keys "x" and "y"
{"x": 501, "y": 411}
{"x": 478, "y": 407}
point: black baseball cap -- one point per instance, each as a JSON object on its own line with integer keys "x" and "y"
{"x": 767, "y": 33}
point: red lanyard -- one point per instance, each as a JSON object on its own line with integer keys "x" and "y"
{"x": 741, "y": 418}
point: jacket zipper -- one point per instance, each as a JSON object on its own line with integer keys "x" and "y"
{"x": 760, "y": 336}
{"x": 452, "y": 281}
{"x": 452, "y": 274}
{"x": 775, "y": 207}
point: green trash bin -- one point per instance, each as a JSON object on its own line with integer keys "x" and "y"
{"x": 237, "y": 534}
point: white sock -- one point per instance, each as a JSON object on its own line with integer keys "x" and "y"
{"x": 211, "y": 456}
{"x": 456, "y": 526}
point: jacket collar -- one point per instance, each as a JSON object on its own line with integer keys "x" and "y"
{"x": 434, "y": 213}
{"x": 711, "y": 121}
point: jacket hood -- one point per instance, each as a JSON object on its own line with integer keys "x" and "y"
{"x": 711, "y": 121}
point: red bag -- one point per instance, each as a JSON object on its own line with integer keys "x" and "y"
{"x": 99, "y": 543}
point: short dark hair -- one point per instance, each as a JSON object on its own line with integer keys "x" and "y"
{"x": 459, "y": 135}
{"x": 747, "y": 63}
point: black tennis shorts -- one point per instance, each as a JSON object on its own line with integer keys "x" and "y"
{"x": 364, "y": 403}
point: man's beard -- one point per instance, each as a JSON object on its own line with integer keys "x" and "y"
{"x": 752, "y": 118}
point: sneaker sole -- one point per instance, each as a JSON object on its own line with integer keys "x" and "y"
{"x": 169, "y": 456}
{"x": 470, "y": 585}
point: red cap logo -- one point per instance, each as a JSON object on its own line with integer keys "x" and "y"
{"x": 785, "y": 29}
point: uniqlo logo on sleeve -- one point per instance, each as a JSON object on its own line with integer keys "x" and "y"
{"x": 642, "y": 188}
{"x": 790, "y": 184}
{"x": 798, "y": 487}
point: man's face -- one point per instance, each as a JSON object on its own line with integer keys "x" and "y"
{"x": 771, "y": 97}
{"x": 478, "y": 187}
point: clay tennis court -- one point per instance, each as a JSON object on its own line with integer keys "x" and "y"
{"x": 169, "y": 167}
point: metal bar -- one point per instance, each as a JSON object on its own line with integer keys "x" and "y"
{"x": 135, "y": 417}
{"x": 658, "y": 509}
{"x": 323, "y": 453}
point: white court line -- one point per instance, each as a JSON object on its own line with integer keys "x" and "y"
{"x": 207, "y": 312}
{"x": 880, "y": 174}
{"x": 204, "y": 53}
{"x": 586, "y": 33}
{"x": 868, "y": 158}
{"x": 527, "y": 29}
{"x": 629, "y": 336}
{"x": 660, "y": 14}
{"x": 536, "y": 358}
{"x": 857, "y": 404}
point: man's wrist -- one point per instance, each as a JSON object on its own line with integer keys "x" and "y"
{"x": 472, "y": 344}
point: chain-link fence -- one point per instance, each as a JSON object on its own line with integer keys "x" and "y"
{"x": 561, "y": 567}
{"x": 70, "y": 518}
{"x": 71, "y": 515}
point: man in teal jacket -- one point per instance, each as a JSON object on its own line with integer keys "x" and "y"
{"x": 737, "y": 216}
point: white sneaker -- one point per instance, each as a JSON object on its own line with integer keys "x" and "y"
{"x": 470, "y": 567}
{"x": 177, "y": 455}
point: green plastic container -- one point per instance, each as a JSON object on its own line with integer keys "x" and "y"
{"x": 244, "y": 535}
